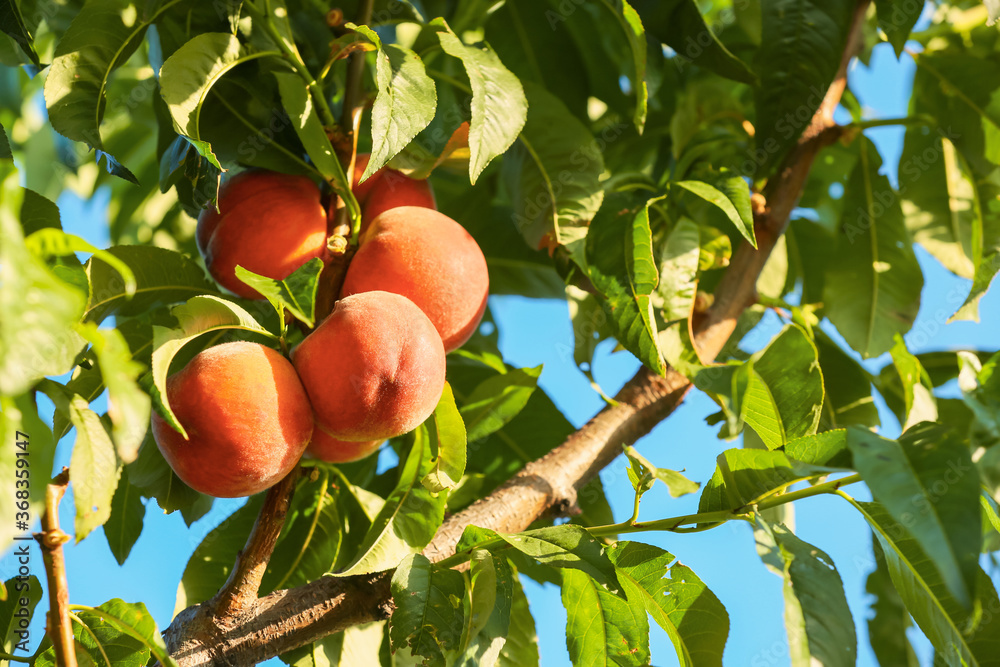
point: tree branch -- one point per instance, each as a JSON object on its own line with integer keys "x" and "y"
{"x": 287, "y": 619}
{"x": 59, "y": 627}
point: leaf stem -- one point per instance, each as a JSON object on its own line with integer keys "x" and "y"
{"x": 15, "y": 658}
{"x": 58, "y": 624}
{"x": 919, "y": 119}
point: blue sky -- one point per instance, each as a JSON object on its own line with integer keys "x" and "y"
{"x": 538, "y": 332}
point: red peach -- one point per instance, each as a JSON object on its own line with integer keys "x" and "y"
{"x": 327, "y": 448}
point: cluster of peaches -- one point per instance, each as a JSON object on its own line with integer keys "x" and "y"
{"x": 373, "y": 369}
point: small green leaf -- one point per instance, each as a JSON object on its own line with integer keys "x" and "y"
{"x": 601, "y": 628}
{"x": 906, "y": 477}
{"x": 124, "y": 525}
{"x": 497, "y": 400}
{"x": 5, "y": 152}
{"x": 94, "y": 469}
{"x": 499, "y": 107}
{"x": 153, "y": 477}
{"x": 428, "y": 618}
{"x": 727, "y": 385}
{"x": 297, "y": 292}
{"x": 818, "y": 620}
{"x": 896, "y": 18}
{"x": 636, "y": 35}
{"x": 919, "y": 401}
{"x": 744, "y": 475}
{"x": 643, "y": 474}
{"x": 448, "y": 441}
{"x": 734, "y": 202}
{"x": 51, "y": 242}
{"x": 199, "y": 315}
{"x": 488, "y": 613}
{"x": 678, "y": 270}
{"x": 677, "y": 599}
{"x": 405, "y": 102}
{"x": 12, "y": 23}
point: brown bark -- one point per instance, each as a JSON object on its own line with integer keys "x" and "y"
{"x": 59, "y": 627}
{"x": 288, "y": 619}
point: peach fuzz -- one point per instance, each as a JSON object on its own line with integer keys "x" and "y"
{"x": 387, "y": 189}
{"x": 327, "y": 448}
{"x": 430, "y": 259}
{"x": 247, "y": 418}
{"x": 373, "y": 369}
{"x": 267, "y": 222}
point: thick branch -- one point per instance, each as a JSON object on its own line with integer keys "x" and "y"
{"x": 59, "y": 626}
{"x": 332, "y": 604}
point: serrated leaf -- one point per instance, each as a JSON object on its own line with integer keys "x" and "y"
{"x": 405, "y": 102}
{"x": 566, "y": 546}
{"x": 408, "y": 520}
{"x": 801, "y": 45}
{"x": 428, "y": 618}
{"x": 896, "y": 18}
{"x": 817, "y": 618}
{"x": 124, "y": 525}
{"x": 13, "y": 613}
{"x": 784, "y": 398}
{"x": 621, "y": 266}
{"x": 678, "y": 268}
{"x": 94, "y": 469}
{"x": 874, "y": 282}
{"x": 958, "y": 637}
{"x": 201, "y": 314}
{"x": 162, "y": 276}
{"x": 448, "y": 442}
{"x": 497, "y": 400}
{"x": 297, "y": 292}
{"x": 153, "y": 477}
{"x": 553, "y": 173}
{"x": 734, "y": 202}
{"x": 679, "y": 602}
{"x": 674, "y": 22}
{"x": 906, "y": 477}
{"x": 603, "y": 629}
{"x": 34, "y": 342}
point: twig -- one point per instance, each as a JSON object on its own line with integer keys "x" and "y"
{"x": 51, "y": 539}
{"x": 240, "y": 591}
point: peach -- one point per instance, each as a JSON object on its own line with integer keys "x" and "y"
{"x": 327, "y": 448}
{"x": 430, "y": 259}
{"x": 267, "y": 222}
{"x": 247, "y": 418}
{"x": 387, "y": 189}
{"x": 373, "y": 369}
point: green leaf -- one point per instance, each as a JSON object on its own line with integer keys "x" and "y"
{"x": 784, "y": 398}
{"x": 678, "y": 270}
{"x": 200, "y": 315}
{"x": 566, "y": 546}
{"x": 94, "y": 469}
{"x": 153, "y": 477}
{"x": 100, "y": 39}
{"x": 12, "y": 23}
{"x": 734, "y": 202}
{"x": 497, "y": 400}
{"x": 521, "y": 647}
{"x": 553, "y": 173}
{"x": 24, "y": 432}
{"x": 677, "y": 599}
{"x": 874, "y": 282}
{"x": 51, "y": 242}
{"x": 727, "y": 385}
{"x": 448, "y": 440}
{"x": 920, "y": 404}
{"x": 409, "y": 518}
{"x": 680, "y": 25}
{"x": 34, "y": 341}
{"x": 189, "y": 73}
{"x": 212, "y": 561}
{"x": 889, "y": 620}
{"x": 823, "y": 449}
{"x": 23, "y": 594}
{"x": 128, "y": 405}
{"x": 896, "y": 18}
{"x": 603, "y": 629}
{"x": 162, "y": 276}
{"x": 802, "y": 42}
{"x": 357, "y": 645}
{"x": 488, "y": 613}
{"x": 621, "y": 266}
{"x": 297, "y": 292}
{"x": 818, "y": 620}
{"x": 186, "y": 165}
{"x": 124, "y": 525}
{"x": 744, "y": 475}
{"x": 636, "y": 35}
{"x": 643, "y": 474}
{"x": 405, "y": 102}
{"x": 5, "y": 152}
{"x": 847, "y": 387}
{"x": 959, "y": 638}
{"x": 980, "y": 385}
{"x": 305, "y": 119}
{"x": 499, "y": 107}
{"x": 907, "y": 477}
{"x": 428, "y": 618}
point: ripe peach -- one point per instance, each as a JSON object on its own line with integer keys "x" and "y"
{"x": 327, "y": 448}
{"x": 247, "y": 418}
{"x": 267, "y": 222}
{"x": 430, "y": 259}
{"x": 386, "y": 189}
{"x": 373, "y": 369}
